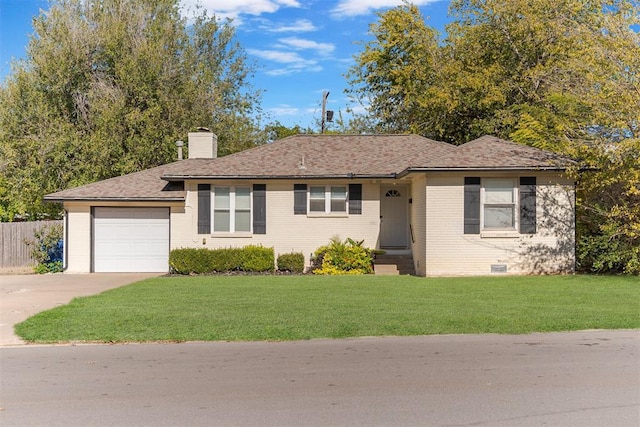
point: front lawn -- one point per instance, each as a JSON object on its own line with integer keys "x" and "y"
{"x": 235, "y": 308}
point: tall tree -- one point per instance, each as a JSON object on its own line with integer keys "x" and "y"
{"x": 555, "y": 74}
{"x": 106, "y": 89}
{"x": 395, "y": 72}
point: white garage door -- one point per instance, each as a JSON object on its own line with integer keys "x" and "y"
{"x": 131, "y": 240}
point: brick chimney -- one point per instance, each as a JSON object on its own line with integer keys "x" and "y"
{"x": 203, "y": 144}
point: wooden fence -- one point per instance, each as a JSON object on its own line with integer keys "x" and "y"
{"x": 14, "y": 252}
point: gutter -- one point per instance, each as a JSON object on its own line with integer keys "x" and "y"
{"x": 112, "y": 199}
{"x": 171, "y": 178}
{"x": 477, "y": 169}
{"x": 394, "y": 175}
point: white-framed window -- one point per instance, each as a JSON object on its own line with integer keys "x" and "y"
{"x": 499, "y": 199}
{"x": 231, "y": 209}
{"x": 328, "y": 198}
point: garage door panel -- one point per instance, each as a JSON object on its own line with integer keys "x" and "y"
{"x": 131, "y": 239}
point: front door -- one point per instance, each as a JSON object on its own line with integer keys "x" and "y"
{"x": 393, "y": 216}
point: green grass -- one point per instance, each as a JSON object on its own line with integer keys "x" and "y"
{"x": 303, "y": 307}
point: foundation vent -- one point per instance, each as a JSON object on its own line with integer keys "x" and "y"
{"x": 498, "y": 268}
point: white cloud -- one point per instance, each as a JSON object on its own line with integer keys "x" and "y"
{"x": 294, "y": 63}
{"x": 285, "y": 110}
{"x": 299, "y": 26}
{"x": 307, "y": 67}
{"x": 347, "y": 8}
{"x": 276, "y": 56}
{"x": 234, "y": 8}
{"x": 304, "y": 44}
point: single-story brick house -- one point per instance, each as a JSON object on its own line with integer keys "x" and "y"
{"x": 488, "y": 206}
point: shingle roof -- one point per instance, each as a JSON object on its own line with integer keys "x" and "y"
{"x": 491, "y": 153}
{"x": 321, "y": 156}
{"x": 143, "y": 185}
{"x": 317, "y": 156}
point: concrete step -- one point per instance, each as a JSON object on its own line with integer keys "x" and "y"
{"x": 385, "y": 270}
{"x": 394, "y": 264}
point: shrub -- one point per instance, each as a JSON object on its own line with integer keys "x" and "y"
{"x": 338, "y": 257}
{"x": 204, "y": 261}
{"x": 48, "y": 267}
{"x": 257, "y": 258}
{"x": 224, "y": 260}
{"x": 47, "y": 248}
{"x": 292, "y": 262}
{"x": 190, "y": 261}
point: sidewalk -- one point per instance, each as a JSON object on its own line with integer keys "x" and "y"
{"x": 22, "y": 296}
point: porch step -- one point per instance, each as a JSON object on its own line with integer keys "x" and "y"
{"x": 393, "y": 264}
{"x": 385, "y": 270}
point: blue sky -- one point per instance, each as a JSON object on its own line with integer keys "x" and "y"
{"x": 301, "y": 48}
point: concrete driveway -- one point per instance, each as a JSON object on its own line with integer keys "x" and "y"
{"x": 22, "y": 296}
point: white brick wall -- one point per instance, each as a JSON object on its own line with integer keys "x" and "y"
{"x": 418, "y": 212}
{"x": 78, "y": 242}
{"x": 440, "y": 247}
{"x": 286, "y": 232}
{"x": 450, "y": 252}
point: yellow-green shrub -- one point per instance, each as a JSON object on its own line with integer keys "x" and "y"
{"x": 338, "y": 257}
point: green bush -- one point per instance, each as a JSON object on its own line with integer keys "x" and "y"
{"x": 257, "y": 259}
{"x": 48, "y": 267}
{"x": 46, "y": 248}
{"x": 603, "y": 254}
{"x": 191, "y": 261}
{"x": 292, "y": 262}
{"x": 224, "y": 260}
{"x": 338, "y": 257}
{"x": 206, "y": 261}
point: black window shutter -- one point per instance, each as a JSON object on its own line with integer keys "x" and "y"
{"x": 355, "y": 199}
{"x": 300, "y": 199}
{"x": 471, "y": 205}
{"x": 259, "y": 209}
{"x": 204, "y": 208}
{"x": 528, "y": 205}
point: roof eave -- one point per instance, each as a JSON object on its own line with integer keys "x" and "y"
{"x": 113, "y": 199}
{"x": 171, "y": 178}
{"x": 482, "y": 169}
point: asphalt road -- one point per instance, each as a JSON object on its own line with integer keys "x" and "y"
{"x": 559, "y": 379}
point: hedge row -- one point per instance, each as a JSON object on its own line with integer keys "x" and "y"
{"x": 338, "y": 257}
{"x": 204, "y": 261}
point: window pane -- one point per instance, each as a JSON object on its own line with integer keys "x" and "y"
{"x": 316, "y": 199}
{"x": 498, "y": 191}
{"x": 338, "y": 206}
{"x": 243, "y": 198}
{"x": 339, "y": 193}
{"x": 316, "y": 205}
{"x": 221, "y": 220}
{"x": 338, "y": 199}
{"x": 221, "y": 199}
{"x": 498, "y": 217}
{"x": 316, "y": 193}
{"x": 243, "y": 221}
